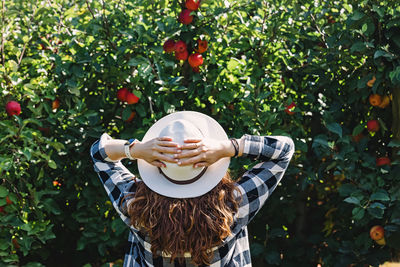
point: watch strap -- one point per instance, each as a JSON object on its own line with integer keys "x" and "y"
{"x": 127, "y": 147}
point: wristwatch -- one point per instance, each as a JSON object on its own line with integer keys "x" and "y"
{"x": 127, "y": 147}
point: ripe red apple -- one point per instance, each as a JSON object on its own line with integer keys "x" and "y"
{"x": 192, "y": 4}
{"x": 131, "y": 98}
{"x": 202, "y": 46}
{"x": 13, "y": 108}
{"x": 55, "y": 104}
{"x": 185, "y": 17}
{"x": 8, "y": 200}
{"x": 15, "y": 243}
{"x": 180, "y": 47}
{"x": 195, "y": 60}
{"x": 377, "y": 232}
{"x": 121, "y": 94}
{"x": 373, "y": 126}
{"x": 357, "y": 138}
{"x": 133, "y": 114}
{"x": 289, "y": 109}
{"x": 383, "y": 161}
{"x": 181, "y": 55}
{"x": 169, "y": 46}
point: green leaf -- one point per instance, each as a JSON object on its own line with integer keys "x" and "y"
{"x": 136, "y": 61}
{"x": 3, "y": 191}
{"x": 394, "y": 143}
{"x": 358, "y": 213}
{"x": 352, "y": 200}
{"x": 381, "y": 53}
{"x": 358, "y": 47}
{"x": 382, "y": 196}
{"x": 335, "y": 128}
{"x": 357, "y": 15}
{"x": 358, "y": 129}
{"x": 52, "y": 164}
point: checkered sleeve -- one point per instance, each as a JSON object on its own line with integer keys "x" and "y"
{"x": 117, "y": 180}
{"x": 257, "y": 184}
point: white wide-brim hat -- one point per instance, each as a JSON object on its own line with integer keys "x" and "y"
{"x": 184, "y": 181}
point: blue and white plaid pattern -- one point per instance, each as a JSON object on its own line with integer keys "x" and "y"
{"x": 256, "y": 185}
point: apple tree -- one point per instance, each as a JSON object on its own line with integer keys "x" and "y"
{"x": 326, "y": 73}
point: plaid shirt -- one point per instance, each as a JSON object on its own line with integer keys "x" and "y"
{"x": 256, "y": 185}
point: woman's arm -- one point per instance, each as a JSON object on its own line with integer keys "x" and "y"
{"x": 118, "y": 181}
{"x": 257, "y": 184}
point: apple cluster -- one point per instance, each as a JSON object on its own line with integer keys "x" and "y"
{"x": 125, "y": 95}
{"x": 180, "y": 48}
{"x": 129, "y": 97}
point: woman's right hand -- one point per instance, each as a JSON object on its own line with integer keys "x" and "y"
{"x": 204, "y": 152}
{"x": 156, "y": 150}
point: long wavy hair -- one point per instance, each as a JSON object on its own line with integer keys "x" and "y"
{"x": 194, "y": 225}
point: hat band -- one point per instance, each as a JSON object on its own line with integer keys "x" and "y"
{"x": 183, "y": 182}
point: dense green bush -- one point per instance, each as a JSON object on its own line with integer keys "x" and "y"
{"x": 262, "y": 56}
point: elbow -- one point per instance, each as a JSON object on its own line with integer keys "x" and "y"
{"x": 289, "y": 146}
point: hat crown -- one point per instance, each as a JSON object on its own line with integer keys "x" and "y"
{"x": 179, "y": 130}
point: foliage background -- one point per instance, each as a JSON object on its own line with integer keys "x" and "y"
{"x": 262, "y": 56}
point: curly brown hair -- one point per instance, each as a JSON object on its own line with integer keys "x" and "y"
{"x": 193, "y": 225}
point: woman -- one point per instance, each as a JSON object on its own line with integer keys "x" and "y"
{"x": 185, "y": 210}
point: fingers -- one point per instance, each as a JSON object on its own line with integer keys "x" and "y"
{"x": 188, "y": 153}
{"x": 200, "y": 164}
{"x": 170, "y": 150}
{"x": 191, "y": 145}
{"x": 164, "y": 157}
{"x": 192, "y": 160}
{"x": 164, "y": 138}
{"x": 192, "y": 140}
{"x": 167, "y": 143}
{"x": 158, "y": 164}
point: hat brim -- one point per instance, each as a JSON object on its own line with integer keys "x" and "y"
{"x": 214, "y": 173}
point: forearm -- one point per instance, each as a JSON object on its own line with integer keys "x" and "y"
{"x": 229, "y": 149}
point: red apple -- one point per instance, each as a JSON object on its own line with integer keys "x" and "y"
{"x": 181, "y": 55}
{"x": 133, "y": 114}
{"x": 192, "y": 4}
{"x": 131, "y": 98}
{"x": 185, "y": 17}
{"x": 196, "y": 69}
{"x": 13, "y": 108}
{"x": 373, "y": 126}
{"x": 55, "y": 104}
{"x": 383, "y": 161}
{"x": 169, "y": 46}
{"x": 121, "y": 94}
{"x": 377, "y": 232}
{"x": 195, "y": 60}
{"x": 289, "y": 109}
{"x": 202, "y": 46}
{"x": 180, "y": 46}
